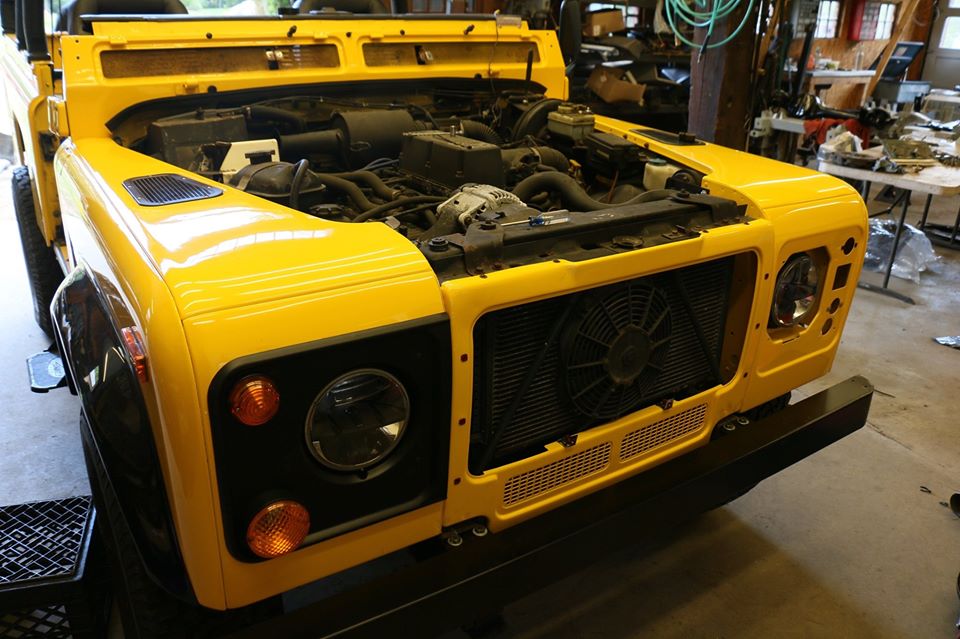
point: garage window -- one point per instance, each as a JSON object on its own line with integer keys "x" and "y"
{"x": 878, "y": 19}
{"x": 950, "y": 39}
{"x": 828, "y": 17}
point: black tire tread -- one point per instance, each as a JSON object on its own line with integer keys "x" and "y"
{"x": 146, "y": 610}
{"x": 43, "y": 270}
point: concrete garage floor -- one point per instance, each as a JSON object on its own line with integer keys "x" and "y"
{"x": 843, "y": 544}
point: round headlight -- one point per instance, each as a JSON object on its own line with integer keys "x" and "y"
{"x": 357, "y": 420}
{"x": 796, "y": 291}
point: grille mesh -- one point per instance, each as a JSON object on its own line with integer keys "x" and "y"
{"x": 555, "y": 474}
{"x": 508, "y": 343}
{"x": 661, "y": 432}
{"x": 157, "y": 190}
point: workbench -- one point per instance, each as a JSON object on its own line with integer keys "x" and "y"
{"x": 935, "y": 180}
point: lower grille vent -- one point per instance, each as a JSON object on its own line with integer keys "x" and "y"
{"x": 555, "y": 474}
{"x": 168, "y": 188}
{"x": 662, "y": 432}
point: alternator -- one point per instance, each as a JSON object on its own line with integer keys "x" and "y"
{"x": 475, "y": 199}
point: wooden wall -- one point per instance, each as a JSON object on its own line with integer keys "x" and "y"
{"x": 846, "y": 96}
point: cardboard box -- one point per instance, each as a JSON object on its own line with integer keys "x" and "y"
{"x": 602, "y": 23}
{"x": 611, "y": 86}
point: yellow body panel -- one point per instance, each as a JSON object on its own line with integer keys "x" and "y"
{"x": 86, "y": 83}
{"x": 215, "y": 280}
{"x": 28, "y": 87}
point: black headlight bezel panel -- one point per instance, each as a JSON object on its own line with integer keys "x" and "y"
{"x": 259, "y": 464}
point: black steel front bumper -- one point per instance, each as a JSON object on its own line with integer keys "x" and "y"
{"x": 427, "y": 589}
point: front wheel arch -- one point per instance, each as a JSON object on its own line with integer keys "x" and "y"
{"x": 118, "y": 426}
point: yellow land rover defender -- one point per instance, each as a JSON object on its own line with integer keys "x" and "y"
{"x": 364, "y": 316}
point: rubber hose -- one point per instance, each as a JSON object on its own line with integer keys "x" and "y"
{"x": 445, "y": 224}
{"x": 261, "y": 112}
{"x": 346, "y": 187}
{"x": 572, "y": 194}
{"x": 426, "y": 114}
{"x": 534, "y": 118}
{"x": 550, "y": 157}
{"x": 403, "y": 201}
{"x": 295, "y": 185}
{"x": 372, "y": 180}
{"x": 299, "y": 145}
{"x": 554, "y": 158}
{"x": 480, "y": 131}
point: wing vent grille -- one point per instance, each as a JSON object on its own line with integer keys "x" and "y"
{"x": 168, "y": 188}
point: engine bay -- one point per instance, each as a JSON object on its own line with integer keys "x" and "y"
{"x": 478, "y": 178}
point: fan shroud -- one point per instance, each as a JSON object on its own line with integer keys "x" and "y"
{"x": 614, "y": 348}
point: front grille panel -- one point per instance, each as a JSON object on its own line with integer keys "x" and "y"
{"x": 538, "y": 481}
{"x": 510, "y": 343}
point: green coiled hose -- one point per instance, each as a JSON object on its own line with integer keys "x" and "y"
{"x": 700, "y": 15}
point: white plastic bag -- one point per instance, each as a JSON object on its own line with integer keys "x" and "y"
{"x": 914, "y": 254}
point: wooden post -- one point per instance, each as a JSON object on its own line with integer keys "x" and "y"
{"x": 720, "y": 89}
{"x": 903, "y": 20}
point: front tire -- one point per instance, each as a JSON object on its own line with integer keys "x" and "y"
{"x": 147, "y": 611}
{"x": 43, "y": 270}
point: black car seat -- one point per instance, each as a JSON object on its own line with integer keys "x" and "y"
{"x": 70, "y": 15}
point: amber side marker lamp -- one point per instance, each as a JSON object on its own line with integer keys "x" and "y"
{"x": 138, "y": 354}
{"x": 278, "y": 529}
{"x": 254, "y": 400}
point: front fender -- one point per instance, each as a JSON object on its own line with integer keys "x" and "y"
{"x": 87, "y": 322}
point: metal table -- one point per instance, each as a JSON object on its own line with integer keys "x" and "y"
{"x": 935, "y": 180}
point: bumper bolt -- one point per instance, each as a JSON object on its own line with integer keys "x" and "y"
{"x": 479, "y": 530}
{"x": 454, "y": 540}
{"x": 742, "y": 421}
{"x": 729, "y": 427}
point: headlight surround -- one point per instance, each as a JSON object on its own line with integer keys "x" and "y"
{"x": 357, "y": 420}
{"x": 795, "y": 291}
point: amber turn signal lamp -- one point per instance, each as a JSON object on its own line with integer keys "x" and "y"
{"x": 254, "y": 400}
{"x": 278, "y": 529}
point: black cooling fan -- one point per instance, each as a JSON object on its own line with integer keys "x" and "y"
{"x": 615, "y": 347}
